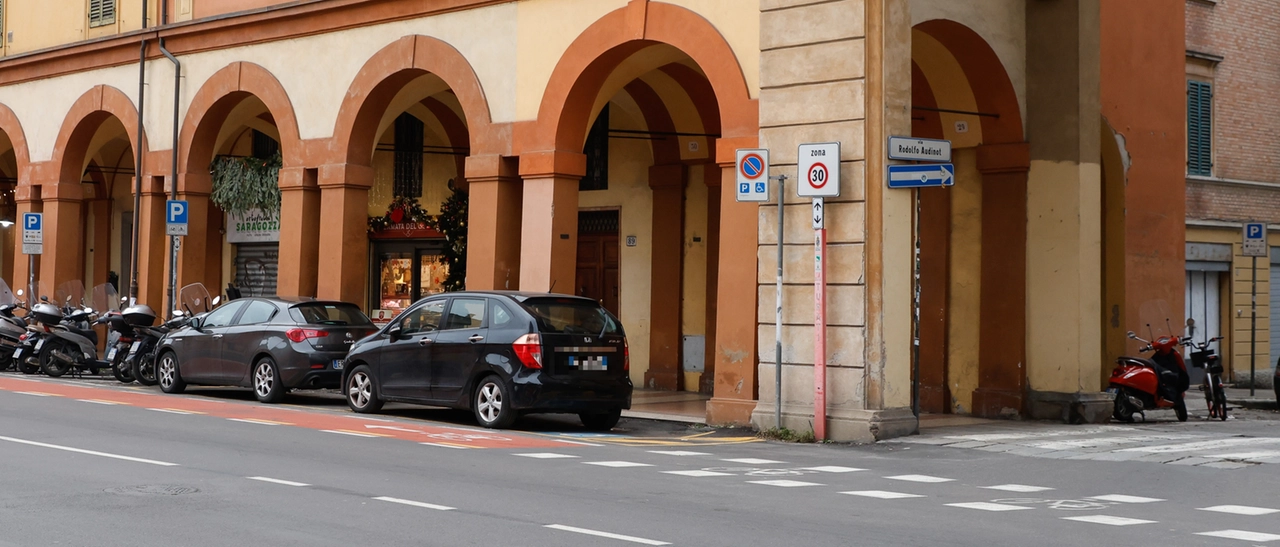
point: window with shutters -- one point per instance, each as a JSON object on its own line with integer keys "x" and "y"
{"x": 1199, "y": 128}
{"x": 102, "y": 12}
{"x": 597, "y": 152}
{"x": 408, "y": 162}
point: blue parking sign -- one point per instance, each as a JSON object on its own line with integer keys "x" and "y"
{"x": 175, "y": 217}
{"x": 31, "y": 221}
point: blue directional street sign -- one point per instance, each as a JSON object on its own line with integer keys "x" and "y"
{"x": 175, "y": 217}
{"x": 922, "y": 176}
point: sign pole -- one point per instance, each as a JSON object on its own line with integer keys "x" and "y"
{"x": 820, "y": 324}
{"x": 1253, "y": 327}
{"x": 777, "y": 313}
{"x": 31, "y": 279}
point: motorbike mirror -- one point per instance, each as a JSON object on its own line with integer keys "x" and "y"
{"x": 1191, "y": 322}
{"x": 178, "y": 313}
{"x": 19, "y": 292}
{"x": 1132, "y": 336}
{"x": 44, "y": 298}
{"x": 216, "y": 300}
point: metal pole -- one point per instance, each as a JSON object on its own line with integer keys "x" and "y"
{"x": 777, "y": 314}
{"x": 1253, "y": 327}
{"x": 173, "y": 188}
{"x": 915, "y": 311}
{"x": 137, "y": 166}
{"x": 31, "y": 280}
{"x": 820, "y": 333}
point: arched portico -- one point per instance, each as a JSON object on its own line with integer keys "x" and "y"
{"x": 16, "y": 164}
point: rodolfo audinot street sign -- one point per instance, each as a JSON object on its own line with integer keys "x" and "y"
{"x": 912, "y": 148}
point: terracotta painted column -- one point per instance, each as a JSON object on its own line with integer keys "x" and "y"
{"x": 707, "y": 382}
{"x": 493, "y": 223}
{"x": 63, "y": 260}
{"x": 193, "y": 266}
{"x": 344, "y": 232}
{"x": 153, "y": 245}
{"x": 27, "y": 199}
{"x": 299, "y": 232}
{"x": 549, "y": 220}
{"x": 667, "y": 270}
{"x": 101, "y": 242}
{"x": 735, "y": 346}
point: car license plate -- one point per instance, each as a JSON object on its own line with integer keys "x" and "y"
{"x": 337, "y": 364}
{"x": 133, "y": 349}
{"x": 589, "y": 363}
{"x": 111, "y": 355}
{"x": 39, "y": 343}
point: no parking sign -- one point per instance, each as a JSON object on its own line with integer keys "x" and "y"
{"x": 753, "y": 175}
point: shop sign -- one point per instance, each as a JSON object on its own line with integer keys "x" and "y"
{"x": 253, "y": 227}
{"x": 406, "y": 230}
{"x": 382, "y": 317}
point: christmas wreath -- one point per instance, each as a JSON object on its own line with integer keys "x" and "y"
{"x": 403, "y": 209}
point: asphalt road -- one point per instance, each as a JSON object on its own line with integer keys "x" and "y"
{"x": 88, "y": 463}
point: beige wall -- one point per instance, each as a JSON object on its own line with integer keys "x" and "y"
{"x": 1236, "y": 296}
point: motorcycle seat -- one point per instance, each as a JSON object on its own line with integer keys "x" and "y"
{"x": 1138, "y": 361}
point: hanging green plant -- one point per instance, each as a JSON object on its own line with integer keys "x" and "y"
{"x": 452, "y": 223}
{"x": 244, "y": 184}
{"x": 402, "y": 210}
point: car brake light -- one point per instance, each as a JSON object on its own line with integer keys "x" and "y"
{"x": 626, "y": 356}
{"x": 301, "y": 335}
{"x": 529, "y": 350}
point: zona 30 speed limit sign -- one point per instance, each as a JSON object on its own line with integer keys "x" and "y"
{"x": 819, "y": 170}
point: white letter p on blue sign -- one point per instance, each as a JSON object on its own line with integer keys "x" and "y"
{"x": 177, "y": 212}
{"x": 30, "y": 221}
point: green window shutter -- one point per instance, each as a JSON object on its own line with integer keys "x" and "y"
{"x": 102, "y": 12}
{"x": 1199, "y": 128}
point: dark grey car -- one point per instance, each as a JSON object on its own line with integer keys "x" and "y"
{"x": 270, "y": 344}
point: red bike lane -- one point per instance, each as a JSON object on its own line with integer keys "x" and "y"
{"x": 355, "y": 425}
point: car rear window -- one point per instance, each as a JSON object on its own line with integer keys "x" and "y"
{"x": 329, "y": 314}
{"x": 572, "y": 316}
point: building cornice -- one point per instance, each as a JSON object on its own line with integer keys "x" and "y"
{"x": 1234, "y": 182}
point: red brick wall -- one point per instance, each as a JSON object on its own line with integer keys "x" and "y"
{"x": 1246, "y": 101}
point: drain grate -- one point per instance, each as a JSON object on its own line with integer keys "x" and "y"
{"x": 157, "y": 489}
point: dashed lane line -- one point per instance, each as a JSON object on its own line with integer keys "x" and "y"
{"x": 38, "y": 393}
{"x": 786, "y": 483}
{"x": 698, "y": 473}
{"x": 99, "y": 402}
{"x": 919, "y": 478}
{"x": 1122, "y": 498}
{"x": 1241, "y": 510}
{"x": 545, "y": 455}
{"x": 1021, "y": 488}
{"x": 679, "y": 453}
{"x": 88, "y": 452}
{"x": 423, "y": 505}
{"x": 277, "y": 481}
{"x": 257, "y": 421}
{"x": 447, "y": 445}
{"x": 988, "y": 506}
{"x": 609, "y": 535}
{"x": 619, "y": 464}
{"x": 882, "y": 494}
{"x": 1240, "y": 535}
{"x": 1110, "y": 520}
{"x": 176, "y": 411}
{"x": 751, "y": 461}
{"x": 353, "y": 433}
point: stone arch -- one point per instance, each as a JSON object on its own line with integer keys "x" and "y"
{"x": 384, "y": 74}
{"x": 218, "y": 96}
{"x": 987, "y": 78}
{"x": 566, "y": 103}
{"x": 81, "y": 123}
{"x": 12, "y": 128}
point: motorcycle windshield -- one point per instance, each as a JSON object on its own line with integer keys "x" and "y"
{"x": 195, "y": 299}
{"x": 6, "y": 295}
{"x": 105, "y": 298}
{"x": 1157, "y": 321}
{"x": 70, "y": 292}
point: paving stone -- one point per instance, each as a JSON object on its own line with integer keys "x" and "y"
{"x": 1226, "y": 465}
{"x": 1192, "y": 461}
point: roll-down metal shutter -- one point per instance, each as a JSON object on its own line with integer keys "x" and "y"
{"x": 256, "y": 268}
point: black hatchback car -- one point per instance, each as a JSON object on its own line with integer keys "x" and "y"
{"x": 269, "y": 344}
{"x": 498, "y": 354}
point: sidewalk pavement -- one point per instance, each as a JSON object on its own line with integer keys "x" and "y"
{"x": 1263, "y": 398}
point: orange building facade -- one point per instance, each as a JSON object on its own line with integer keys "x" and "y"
{"x": 595, "y": 142}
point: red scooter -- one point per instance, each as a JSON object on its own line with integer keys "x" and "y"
{"x": 1140, "y": 384}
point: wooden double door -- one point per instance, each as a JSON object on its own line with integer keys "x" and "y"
{"x": 597, "y": 272}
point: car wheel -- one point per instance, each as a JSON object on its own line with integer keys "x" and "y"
{"x": 601, "y": 421}
{"x": 362, "y": 393}
{"x": 267, "y": 386}
{"x": 491, "y": 404}
{"x": 167, "y": 374}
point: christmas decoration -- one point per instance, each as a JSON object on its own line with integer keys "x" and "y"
{"x": 403, "y": 210}
{"x": 243, "y": 184}
{"x": 452, "y": 222}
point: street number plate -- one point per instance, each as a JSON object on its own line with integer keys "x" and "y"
{"x": 337, "y": 364}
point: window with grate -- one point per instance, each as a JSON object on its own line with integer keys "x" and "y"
{"x": 598, "y": 222}
{"x": 264, "y": 147}
{"x": 597, "y": 152}
{"x": 102, "y": 12}
{"x": 1199, "y": 128}
{"x": 408, "y": 162}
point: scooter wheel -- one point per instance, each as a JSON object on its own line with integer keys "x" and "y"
{"x": 1180, "y": 408}
{"x": 27, "y": 368}
{"x": 50, "y": 364}
{"x": 1122, "y": 412}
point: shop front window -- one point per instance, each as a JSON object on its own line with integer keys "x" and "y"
{"x": 401, "y": 283}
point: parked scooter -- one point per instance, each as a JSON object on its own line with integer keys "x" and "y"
{"x": 70, "y": 343}
{"x": 12, "y": 327}
{"x": 1140, "y": 384}
{"x": 142, "y": 352}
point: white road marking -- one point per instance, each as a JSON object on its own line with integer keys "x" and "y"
{"x": 1240, "y": 535}
{"x": 1247, "y": 455}
{"x": 447, "y": 445}
{"x": 752, "y": 461}
{"x": 1241, "y": 510}
{"x": 415, "y": 503}
{"x": 175, "y": 411}
{"x": 1109, "y": 520}
{"x": 253, "y": 421}
{"x": 919, "y": 478}
{"x": 38, "y": 393}
{"x": 618, "y": 464}
{"x": 1098, "y": 442}
{"x": 576, "y": 443}
{"x": 1121, "y": 498}
{"x": 89, "y": 452}
{"x": 545, "y": 455}
{"x": 1018, "y": 488}
{"x": 351, "y": 433}
{"x": 784, "y": 483}
{"x": 698, "y": 473}
{"x": 1203, "y": 445}
{"x": 679, "y": 453}
{"x": 882, "y": 494}
{"x": 609, "y": 535}
{"x": 99, "y": 402}
{"x": 833, "y": 469}
{"x": 988, "y": 506}
{"x": 278, "y": 481}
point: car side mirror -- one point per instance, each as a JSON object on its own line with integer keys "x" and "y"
{"x": 394, "y": 332}
{"x": 196, "y": 323}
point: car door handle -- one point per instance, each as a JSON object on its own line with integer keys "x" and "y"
{"x": 476, "y": 338}
{"x": 217, "y": 336}
{"x": 425, "y": 342}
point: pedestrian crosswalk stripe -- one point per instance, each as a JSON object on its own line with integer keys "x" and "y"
{"x": 882, "y": 494}
{"x": 1023, "y": 488}
{"x": 1109, "y": 520}
{"x": 1240, "y": 535}
{"x": 1121, "y": 498}
{"x": 988, "y": 506}
{"x": 1241, "y": 510}
{"x": 919, "y": 478}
